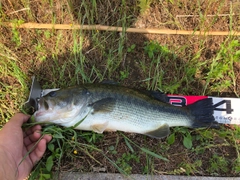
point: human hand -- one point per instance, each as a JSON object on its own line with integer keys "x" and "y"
{"x": 15, "y": 144}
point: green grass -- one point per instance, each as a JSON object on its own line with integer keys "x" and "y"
{"x": 62, "y": 58}
{"x": 221, "y": 72}
{"x": 13, "y": 85}
{"x": 65, "y": 143}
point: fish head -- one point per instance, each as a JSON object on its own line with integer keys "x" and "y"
{"x": 62, "y": 105}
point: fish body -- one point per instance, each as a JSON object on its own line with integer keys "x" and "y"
{"x": 106, "y": 107}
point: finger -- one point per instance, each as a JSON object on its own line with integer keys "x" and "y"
{"x": 38, "y": 152}
{"x": 31, "y": 130}
{"x": 31, "y": 144}
{"x": 32, "y": 138}
{"x": 14, "y": 125}
{"x": 47, "y": 137}
{"x": 19, "y": 118}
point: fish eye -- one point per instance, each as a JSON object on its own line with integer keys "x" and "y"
{"x": 52, "y": 93}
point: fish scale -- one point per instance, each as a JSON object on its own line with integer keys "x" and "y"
{"x": 108, "y": 107}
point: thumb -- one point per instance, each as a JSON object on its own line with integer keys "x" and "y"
{"x": 19, "y": 118}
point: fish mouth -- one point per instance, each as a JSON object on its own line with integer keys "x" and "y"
{"x": 43, "y": 104}
{"x": 43, "y": 107}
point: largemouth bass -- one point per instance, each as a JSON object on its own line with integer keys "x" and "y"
{"x": 106, "y": 107}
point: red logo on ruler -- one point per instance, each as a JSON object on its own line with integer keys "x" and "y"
{"x": 177, "y": 100}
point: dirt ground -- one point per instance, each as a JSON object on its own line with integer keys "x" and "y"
{"x": 180, "y": 15}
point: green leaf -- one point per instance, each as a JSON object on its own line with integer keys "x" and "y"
{"x": 237, "y": 52}
{"x": 171, "y": 139}
{"x": 128, "y": 145}
{"x": 133, "y": 46}
{"x": 32, "y": 119}
{"x": 182, "y": 130}
{"x": 49, "y": 163}
{"x": 79, "y": 122}
{"x": 45, "y": 176}
{"x": 58, "y": 136}
{"x": 111, "y": 148}
{"x": 187, "y": 141}
{"x": 154, "y": 154}
{"x": 51, "y": 147}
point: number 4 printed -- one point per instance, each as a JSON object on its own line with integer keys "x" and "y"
{"x": 228, "y": 108}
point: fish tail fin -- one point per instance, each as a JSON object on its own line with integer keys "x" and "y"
{"x": 202, "y": 111}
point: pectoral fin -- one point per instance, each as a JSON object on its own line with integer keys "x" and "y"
{"x": 103, "y": 105}
{"x": 160, "y": 132}
{"x": 99, "y": 128}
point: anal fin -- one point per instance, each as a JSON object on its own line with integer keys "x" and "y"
{"x": 160, "y": 132}
{"x": 99, "y": 128}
